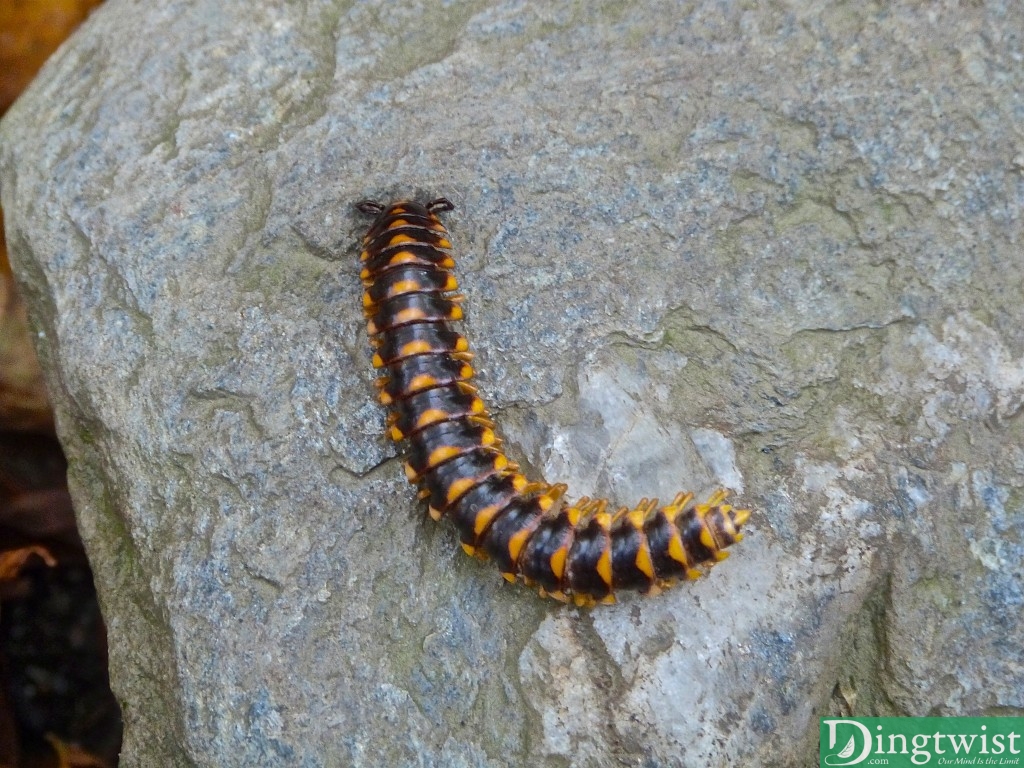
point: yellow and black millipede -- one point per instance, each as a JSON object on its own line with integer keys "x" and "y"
{"x": 582, "y": 551}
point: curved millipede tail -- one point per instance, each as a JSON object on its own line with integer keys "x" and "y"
{"x": 581, "y": 551}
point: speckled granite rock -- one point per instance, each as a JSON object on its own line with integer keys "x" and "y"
{"x": 777, "y": 249}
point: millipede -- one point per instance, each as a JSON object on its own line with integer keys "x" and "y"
{"x": 581, "y": 551}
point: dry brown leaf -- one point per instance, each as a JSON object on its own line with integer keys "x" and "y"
{"x": 30, "y": 30}
{"x": 12, "y": 561}
{"x": 73, "y": 756}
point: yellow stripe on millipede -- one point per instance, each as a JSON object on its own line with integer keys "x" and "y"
{"x": 422, "y": 381}
{"x": 403, "y": 257}
{"x": 459, "y": 487}
{"x": 707, "y": 538}
{"x": 431, "y": 416}
{"x": 484, "y": 517}
{"x": 676, "y": 550}
{"x": 442, "y": 454}
{"x": 409, "y": 315}
{"x": 643, "y": 561}
{"x": 417, "y": 347}
{"x": 604, "y": 565}
{"x": 403, "y": 286}
{"x": 558, "y": 558}
{"x": 516, "y": 543}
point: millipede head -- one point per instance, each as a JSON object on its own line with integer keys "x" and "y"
{"x": 375, "y": 207}
{"x": 439, "y": 204}
{"x": 371, "y": 207}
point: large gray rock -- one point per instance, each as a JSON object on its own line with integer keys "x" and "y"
{"x": 776, "y": 249}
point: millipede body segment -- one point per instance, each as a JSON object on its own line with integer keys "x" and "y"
{"x": 582, "y": 551}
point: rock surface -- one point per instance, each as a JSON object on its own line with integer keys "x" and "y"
{"x": 774, "y": 248}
